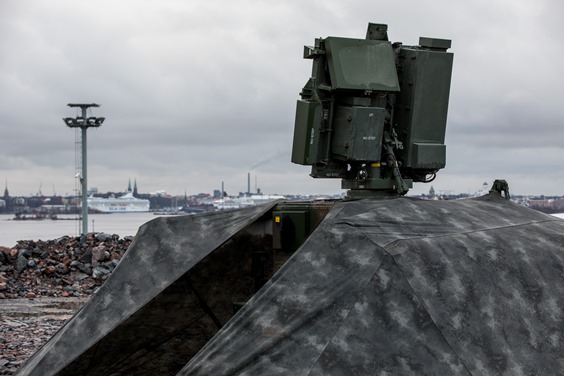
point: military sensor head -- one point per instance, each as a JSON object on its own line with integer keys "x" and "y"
{"x": 374, "y": 113}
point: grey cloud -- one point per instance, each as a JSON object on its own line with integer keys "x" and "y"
{"x": 195, "y": 94}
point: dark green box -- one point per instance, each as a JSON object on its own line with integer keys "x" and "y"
{"x": 422, "y": 105}
{"x": 359, "y": 64}
{"x": 358, "y": 133}
{"x": 290, "y": 228}
{"x": 306, "y": 115}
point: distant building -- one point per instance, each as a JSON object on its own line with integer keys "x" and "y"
{"x": 547, "y": 205}
{"x": 6, "y": 193}
{"x": 5, "y": 202}
{"x": 203, "y": 196}
{"x": 135, "y": 193}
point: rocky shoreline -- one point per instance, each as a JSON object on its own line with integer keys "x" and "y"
{"x": 42, "y": 284}
{"x": 68, "y": 266}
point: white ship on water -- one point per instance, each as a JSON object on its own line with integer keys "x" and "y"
{"x": 241, "y": 202}
{"x": 123, "y": 204}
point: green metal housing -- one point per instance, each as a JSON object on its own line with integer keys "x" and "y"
{"x": 293, "y": 222}
{"x": 305, "y": 119}
{"x": 359, "y": 64}
{"x": 422, "y": 105}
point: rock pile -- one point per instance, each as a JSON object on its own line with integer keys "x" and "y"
{"x": 65, "y": 267}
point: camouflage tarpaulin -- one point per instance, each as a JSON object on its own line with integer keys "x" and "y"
{"x": 407, "y": 287}
{"x": 167, "y": 297}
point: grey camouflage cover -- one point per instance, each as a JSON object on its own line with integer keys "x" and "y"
{"x": 407, "y": 287}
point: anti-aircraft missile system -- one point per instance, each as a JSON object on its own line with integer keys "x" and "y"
{"x": 374, "y": 113}
{"x": 377, "y": 284}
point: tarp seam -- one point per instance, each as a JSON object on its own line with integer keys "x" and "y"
{"x": 466, "y": 232}
{"x": 386, "y": 254}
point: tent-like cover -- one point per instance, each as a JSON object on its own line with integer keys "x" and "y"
{"x": 395, "y": 286}
{"x": 407, "y": 287}
{"x": 168, "y": 296}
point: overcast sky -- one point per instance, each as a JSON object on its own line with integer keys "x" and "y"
{"x": 199, "y": 92}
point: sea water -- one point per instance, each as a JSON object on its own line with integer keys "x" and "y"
{"x": 122, "y": 224}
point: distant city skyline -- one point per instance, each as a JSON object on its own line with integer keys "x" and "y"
{"x": 482, "y": 189}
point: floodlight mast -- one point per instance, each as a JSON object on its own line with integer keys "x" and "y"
{"x": 84, "y": 123}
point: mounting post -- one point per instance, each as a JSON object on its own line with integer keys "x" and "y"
{"x": 83, "y": 122}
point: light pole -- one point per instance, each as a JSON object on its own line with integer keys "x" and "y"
{"x": 84, "y": 123}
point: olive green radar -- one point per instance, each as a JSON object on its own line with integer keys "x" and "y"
{"x": 374, "y": 113}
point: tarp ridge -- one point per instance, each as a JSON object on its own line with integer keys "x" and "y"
{"x": 281, "y": 319}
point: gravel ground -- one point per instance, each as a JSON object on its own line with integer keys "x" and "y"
{"x": 27, "y": 324}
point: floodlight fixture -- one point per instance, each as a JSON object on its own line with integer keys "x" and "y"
{"x": 81, "y": 105}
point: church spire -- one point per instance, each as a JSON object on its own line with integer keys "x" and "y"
{"x": 129, "y": 186}
{"x": 6, "y": 193}
{"x": 135, "y": 187}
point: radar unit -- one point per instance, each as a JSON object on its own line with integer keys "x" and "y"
{"x": 374, "y": 113}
